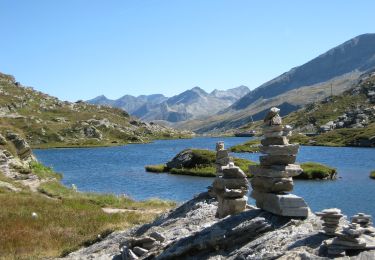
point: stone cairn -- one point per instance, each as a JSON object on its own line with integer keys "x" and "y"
{"x": 222, "y": 158}
{"x": 134, "y": 248}
{"x": 230, "y": 185}
{"x": 365, "y": 221}
{"x": 331, "y": 220}
{"x": 273, "y": 178}
{"x": 354, "y": 237}
{"x": 358, "y": 235}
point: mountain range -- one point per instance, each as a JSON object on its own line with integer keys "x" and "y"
{"x": 190, "y": 104}
{"x": 333, "y": 72}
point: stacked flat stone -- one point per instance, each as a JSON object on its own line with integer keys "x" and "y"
{"x": 231, "y": 189}
{"x": 331, "y": 220}
{"x": 273, "y": 178}
{"x": 222, "y": 158}
{"x": 365, "y": 221}
{"x": 135, "y": 248}
{"x": 353, "y": 237}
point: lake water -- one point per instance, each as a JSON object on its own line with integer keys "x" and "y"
{"x": 120, "y": 170}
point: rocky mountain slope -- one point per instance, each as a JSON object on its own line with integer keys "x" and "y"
{"x": 347, "y": 119}
{"x": 193, "y": 232}
{"x": 355, "y": 108}
{"x": 46, "y": 121}
{"x": 191, "y": 104}
{"x": 334, "y": 71}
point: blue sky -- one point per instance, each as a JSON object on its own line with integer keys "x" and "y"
{"x": 78, "y": 49}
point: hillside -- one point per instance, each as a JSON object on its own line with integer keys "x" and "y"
{"x": 336, "y": 70}
{"x": 46, "y": 121}
{"x": 347, "y": 119}
{"x": 191, "y": 104}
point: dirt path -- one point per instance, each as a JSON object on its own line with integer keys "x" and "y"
{"x": 115, "y": 210}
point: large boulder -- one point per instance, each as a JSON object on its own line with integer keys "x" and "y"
{"x": 22, "y": 147}
{"x": 92, "y": 132}
{"x": 182, "y": 159}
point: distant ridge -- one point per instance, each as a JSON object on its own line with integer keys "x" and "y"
{"x": 190, "y": 104}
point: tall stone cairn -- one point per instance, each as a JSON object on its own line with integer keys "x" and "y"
{"x": 273, "y": 178}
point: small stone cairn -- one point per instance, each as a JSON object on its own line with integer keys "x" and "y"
{"x": 273, "y": 178}
{"x": 365, "y": 221}
{"x": 230, "y": 185}
{"x": 331, "y": 220}
{"x": 358, "y": 235}
{"x": 134, "y": 248}
{"x": 231, "y": 189}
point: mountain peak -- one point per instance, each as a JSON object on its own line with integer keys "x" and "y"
{"x": 199, "y": 90}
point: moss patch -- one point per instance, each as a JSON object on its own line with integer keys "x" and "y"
{"x": 313, "y": 170}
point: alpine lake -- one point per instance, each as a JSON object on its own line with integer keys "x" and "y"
{"x": 120, "y": 170}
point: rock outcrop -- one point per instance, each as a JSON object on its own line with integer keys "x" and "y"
{"x": 22, "y": 147}
{"x": 192, "y": 231}
{"x": 273, "y": 178}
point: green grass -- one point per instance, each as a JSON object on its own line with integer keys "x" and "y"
{"x": 299, "y": 138}
{"x": 67, "y": 219}
{"x": 372, "y": 175}
{"x": 312, "y": 170}
{"x": 44, "y": 172}
{"x": 251, "y": 146}
{"x": 159, "y": 168}
{"x": 338, "y": 137}
{"x": 62, "y": 225}
{"x": 205, "y": 171}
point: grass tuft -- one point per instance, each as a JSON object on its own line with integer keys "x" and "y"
{"x": 159, "y": 168}
{"x": 251, "y": 146}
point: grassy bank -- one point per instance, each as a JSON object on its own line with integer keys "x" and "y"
{"x": 313, "y": 170}
{"x": 66, "y": 219}
{"x": 202, "y": 164}
{"x": 251, "y": 146}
